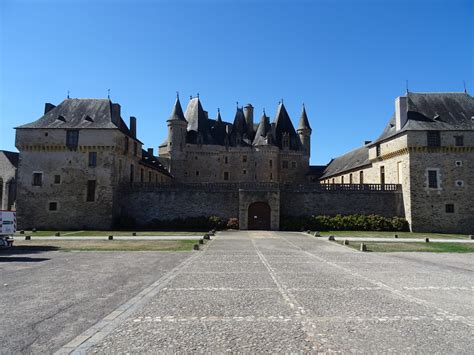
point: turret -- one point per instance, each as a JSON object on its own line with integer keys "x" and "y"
{"x": 248, "y": 113}
{"x": 177, "y": 129}
{"x": 304, "y": 132}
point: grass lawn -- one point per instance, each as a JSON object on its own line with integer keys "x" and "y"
{"x": 102, "y": 245}
{"x": 106, "y": 233}
{"x": 369, "y": 234}
{"x": 419, "y": 247}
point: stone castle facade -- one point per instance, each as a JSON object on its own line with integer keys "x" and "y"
{"x": 81, "y": 167}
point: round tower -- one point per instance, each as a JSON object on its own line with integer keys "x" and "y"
{"x": 304, "y": 132}
{"x": 177, "y": 129}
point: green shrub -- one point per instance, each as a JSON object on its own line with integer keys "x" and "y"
{"x": 339, "y": 222}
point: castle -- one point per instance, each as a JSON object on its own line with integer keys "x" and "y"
{"x": 81, "y": 167}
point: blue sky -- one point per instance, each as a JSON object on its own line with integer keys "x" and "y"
{"x": 346, "y": 60}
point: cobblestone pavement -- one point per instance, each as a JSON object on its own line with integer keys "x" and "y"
{"x": 48, "y": 298}
{"x": 288, "y": 292}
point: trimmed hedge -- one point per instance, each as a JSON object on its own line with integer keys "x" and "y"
{"x": 348, "y": 223}
{"x": 184, "y": 224}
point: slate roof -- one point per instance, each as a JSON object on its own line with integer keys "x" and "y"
{"x": 356, "y": 158}
{"x": 434, "y": 111}
{"x": 81, "y": 113}
{"x": 283, "y": 124}
{"x": 316, "y": 170}
{"x": 12, "y": 157}
{"x": 264, "y": 128}
{"x": 198, "y": 123}
{"x": 304, "y": 122}
{"x": 426, "y": 111}
{"x": 153, "y": 162}
{"x": 177, "y": 113}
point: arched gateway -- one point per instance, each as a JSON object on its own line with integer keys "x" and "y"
{"x": 259, "y": 216}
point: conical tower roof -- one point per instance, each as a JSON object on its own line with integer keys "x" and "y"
{"x": 263, "y": 128}
{"x": 177, "y": 113}
{"x": 283, "y": 124}
{"x": 304, "y": 123}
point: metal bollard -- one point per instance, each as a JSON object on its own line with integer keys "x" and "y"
{"x": 363, "y": 247}
{"x": 196, "y": 247}
{"x": 22, "y": 232}
{"x": 395, "y": 236}
{"x": 331, "y": 238}
{"x": 345, "y": 242}
{"x": 317, "y": 234}
{"x": 111, "y": 237}
{"x": 471, "y": 236}
{"x": 207, "y": 236}
{"x": 57, "y": 234}
{"x": 427, "y": 240}
{"x": 28, "y": 237}
{"x": 134, "y": 234}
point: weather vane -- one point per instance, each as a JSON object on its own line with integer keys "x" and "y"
{"x": 68, "y": 94}
{"x": 108, "y": 94}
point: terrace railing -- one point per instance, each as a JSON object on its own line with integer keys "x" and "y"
{"x": 260, "y": 186}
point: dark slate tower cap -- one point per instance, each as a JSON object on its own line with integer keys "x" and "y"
{"x": 304, "y": 123}
{"x": 177, "y": 113}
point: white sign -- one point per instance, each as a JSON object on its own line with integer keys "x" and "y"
{"x": 7, "y": 222}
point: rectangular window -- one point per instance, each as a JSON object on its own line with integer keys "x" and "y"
{"x": 226, "y": 160}
{"x": 285, "y": 164}
{"x": 244, "y": 158}
{"x": 226, "y": 175}
{"x": 92, "y": 159}
{"x": 126, "y": 144}
{"x": 197, "y": 172}
{"x": 271, "y": 163}
{"x": 433, "y": 179}
{"x": 132, "y": 173}
{"x": 350, "y": 178}
{"x": 433, "y": 139}
{"x": 449, "y": 208}
{"x": 382, "y": 175}
{"x": 342, "y": 179}
{"x": 244, "y": 172}
{"x": 271, "y": 175}
{"x": 399, "y": 172}
{"x": 53, "y": 206}
{"x": 72, "y": 138}
{"x": 91, "y": 190}
{"x": 57, "y": 179}
{"x": 459, "y": 141}
{"x": 149, "y": 176}
{"x": 361, "y": 177}
{"x": 377, "y": 150}
{"x": 293, "y": 165}
{"x": 37, "y": 179}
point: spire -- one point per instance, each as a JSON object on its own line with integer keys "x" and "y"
{"x": 304, "y": 123}
{"x": 219, "y": 118}
{"x": 177, "y": 113}
{"x": 283, "y": 127}
{"x": 263, "y": 129}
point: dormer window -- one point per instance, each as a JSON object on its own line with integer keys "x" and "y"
{"x": 285, "y": 140}
{"x": 61, "y": 118}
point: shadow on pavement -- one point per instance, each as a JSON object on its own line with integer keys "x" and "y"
{"x": 28, "y": 249}
{"x": 20, "y": 259}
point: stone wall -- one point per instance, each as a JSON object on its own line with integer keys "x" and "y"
{"x": 146, "y": 204}
{"x": 307, "y": 203}
{"x": 7, "y": 183}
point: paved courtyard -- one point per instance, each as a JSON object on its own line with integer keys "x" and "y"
{"x": 288, "y": 292}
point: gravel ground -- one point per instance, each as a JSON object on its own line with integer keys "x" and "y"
{"x": 48, "y": 298}
{"x": 287, "y": 292}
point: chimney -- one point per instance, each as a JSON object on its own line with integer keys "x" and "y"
{"x": 401, "y": 112}
{"x": 133, "y": 126}
{"x": 150, "y": 152}
{"x": 48, "y": 107}
{"x": 116, "y": 114}
{"x": 248, "y": 113}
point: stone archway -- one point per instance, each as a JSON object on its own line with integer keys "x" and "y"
{"x": 259, "y": 216}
